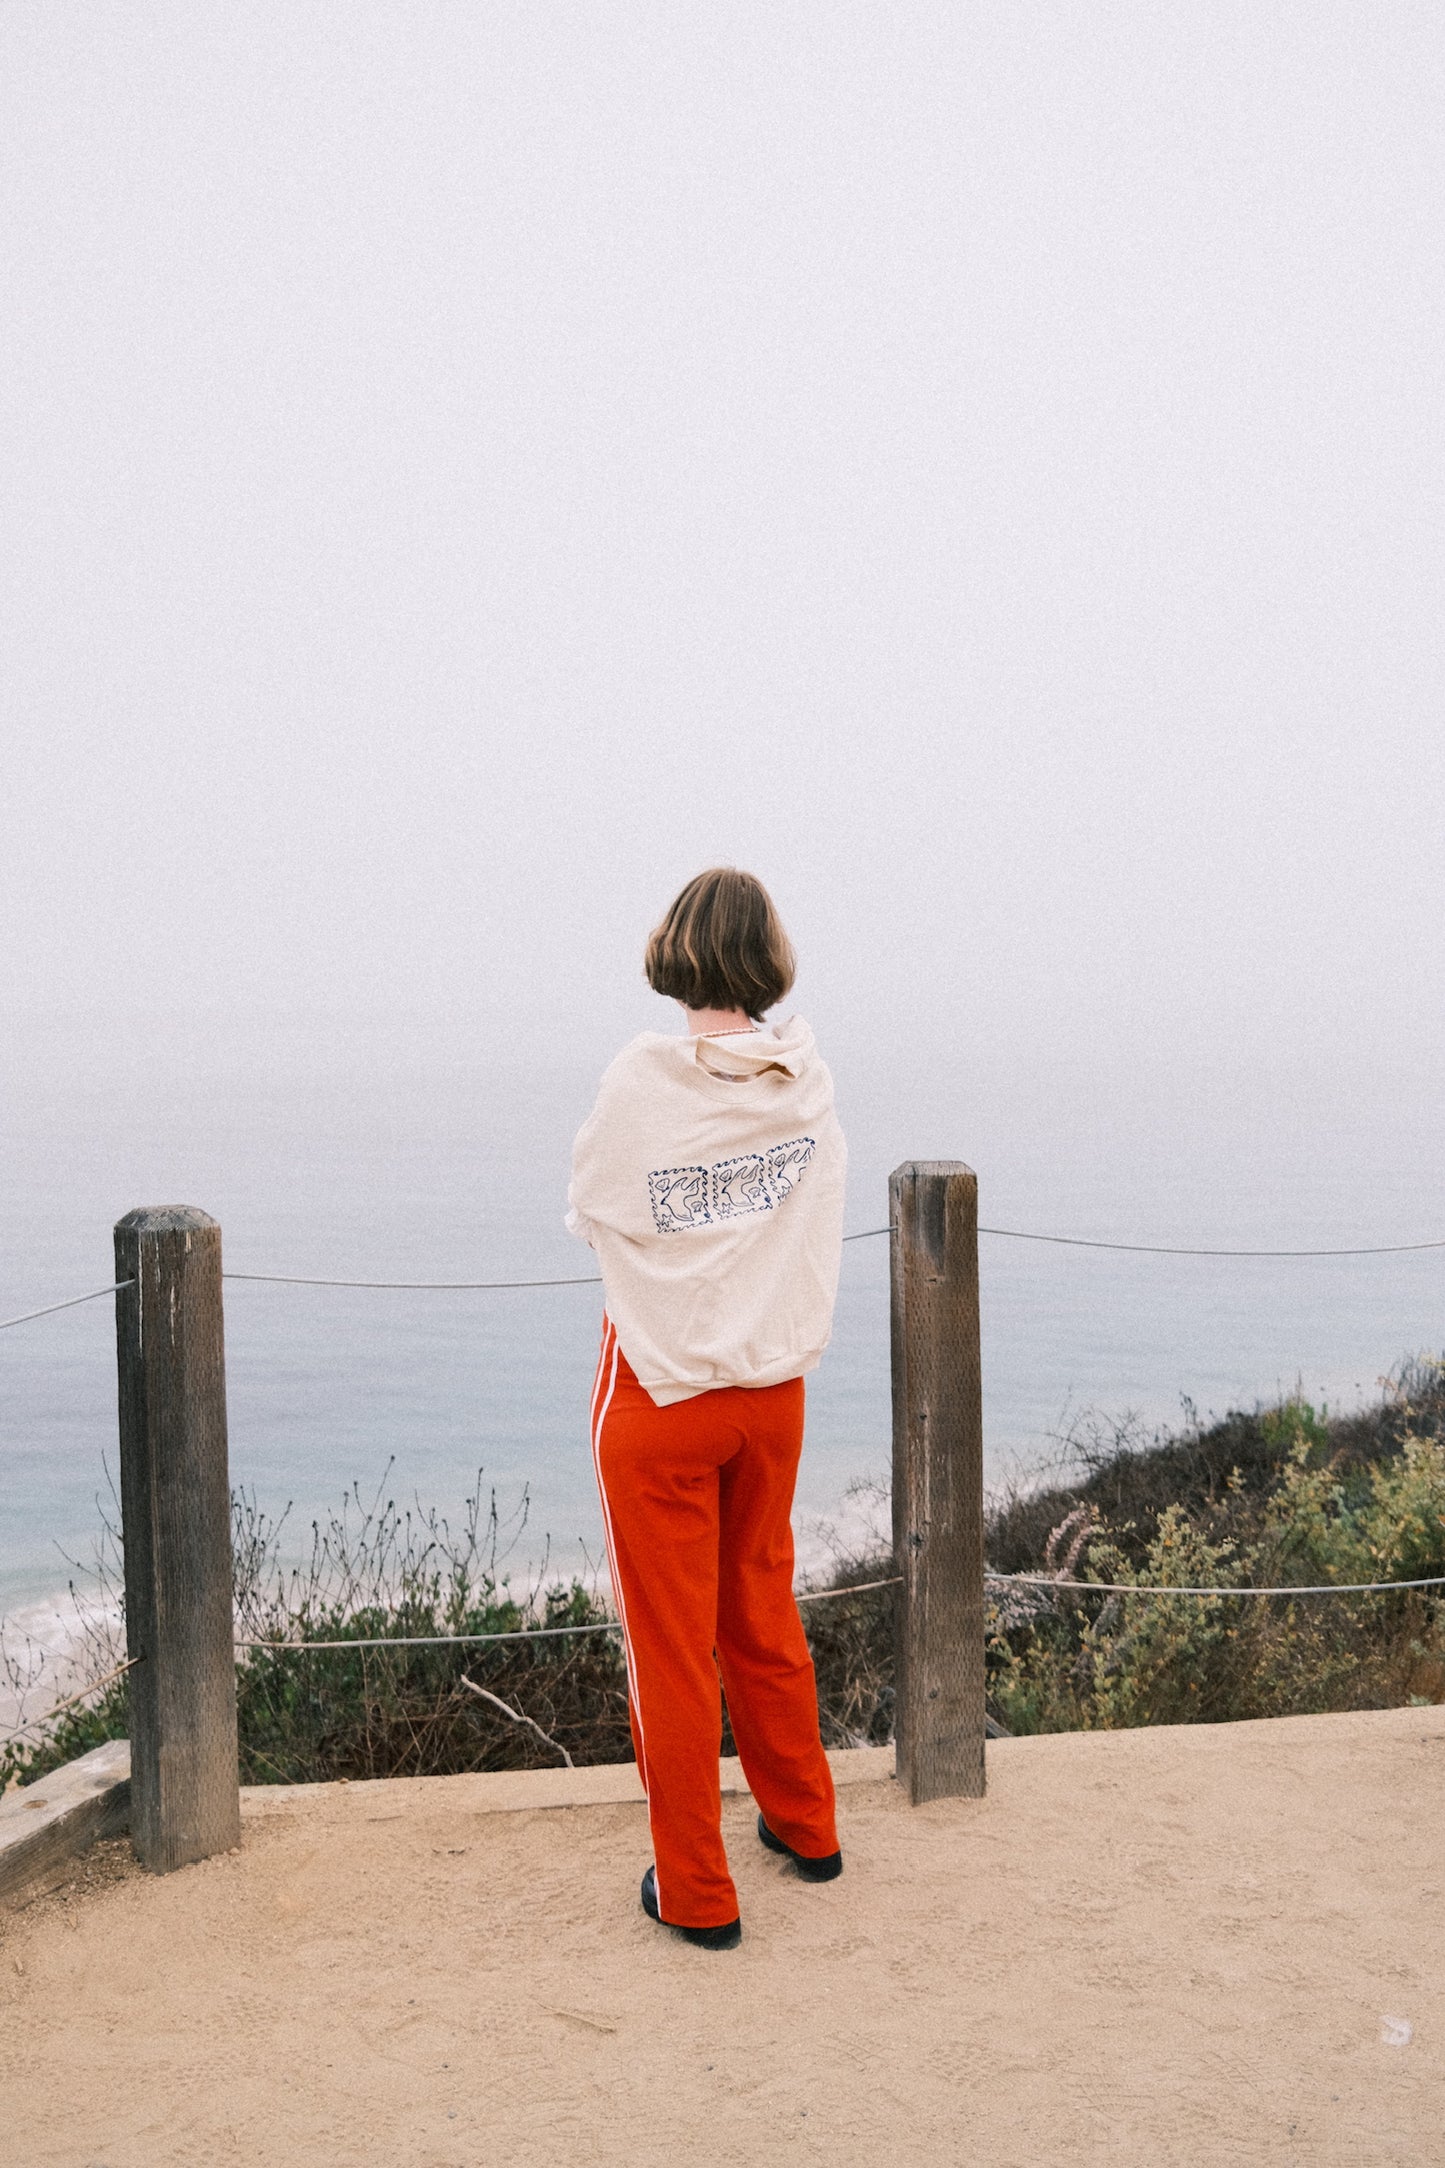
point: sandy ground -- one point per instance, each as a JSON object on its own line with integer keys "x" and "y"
{"x": 1195, "y": 1945}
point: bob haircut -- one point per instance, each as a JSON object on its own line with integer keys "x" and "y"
{"x": 721, "y": 945}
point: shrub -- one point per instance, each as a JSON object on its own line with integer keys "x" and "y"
{"x": 1316, "y": 1501}
{"x": 1281, "y": 1496}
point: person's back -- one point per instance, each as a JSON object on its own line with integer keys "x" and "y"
{"x": 709, "y": 1180}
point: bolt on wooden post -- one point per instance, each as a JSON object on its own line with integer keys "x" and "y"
{"x": 175, "y": 1498}
{"x": 938, "y": 1479}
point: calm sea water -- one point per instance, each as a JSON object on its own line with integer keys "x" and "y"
{"x": 363, "y": 1153}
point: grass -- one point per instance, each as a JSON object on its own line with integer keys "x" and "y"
{"x": 1281, "y": 1494}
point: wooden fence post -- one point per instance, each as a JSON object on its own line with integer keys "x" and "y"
{"x": 175, "y": 1498}
{"x": 937, "y": 1479}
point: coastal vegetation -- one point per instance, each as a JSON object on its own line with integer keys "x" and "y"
{"x": 1281, "y": 1496}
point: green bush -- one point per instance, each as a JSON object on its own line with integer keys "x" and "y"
{"x": 1281, "y": 1496}
{"x": 1309, "y": 1508}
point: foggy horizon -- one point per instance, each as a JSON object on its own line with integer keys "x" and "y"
{"x": 979, "y": 471}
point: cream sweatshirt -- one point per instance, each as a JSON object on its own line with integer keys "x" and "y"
{"x": 709, "y": 1180}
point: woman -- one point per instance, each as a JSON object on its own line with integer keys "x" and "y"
{"x": 709, "y": 1180}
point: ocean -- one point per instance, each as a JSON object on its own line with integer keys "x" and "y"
{"x": 365, "y": 1151}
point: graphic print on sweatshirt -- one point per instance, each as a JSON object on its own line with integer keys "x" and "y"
{"x": 685, "y": 1197}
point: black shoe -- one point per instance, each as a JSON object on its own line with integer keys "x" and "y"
{"x": 726, "y": 1937}
{"x": 826, "y": 1869}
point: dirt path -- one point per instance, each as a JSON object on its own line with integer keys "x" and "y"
{"x": 1189, "y": 1946}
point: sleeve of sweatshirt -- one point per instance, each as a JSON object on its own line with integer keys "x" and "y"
{"x": 577, "y": 1221}
{"x": 589, "y": 1163}
{"x": 603, "y": 1191}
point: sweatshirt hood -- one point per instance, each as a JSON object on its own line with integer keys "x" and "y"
{"x": 788, "y": 1046}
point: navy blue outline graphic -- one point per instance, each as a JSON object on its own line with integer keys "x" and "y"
{"x": 708, "y": 1193}
{"x": 740, "y": 1186}
{"x": 795, "y": 1154}
{"x": 662, "y": 1186}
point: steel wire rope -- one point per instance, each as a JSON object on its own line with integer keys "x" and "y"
{"x": 1166, "y": 1249}
{"x": 816, "y": 1595}
{"x": 860, "y": 1588}
{"x": 589, "y": 1279}
{"x": 864, "y": 1234}
{"x": 1169, "y": 1588}
{"x": 69, "y": 1304}
{"x": 867, "y": 1234}
{"x": 7, "y": 1738}
{"x": 533, "y": 1633}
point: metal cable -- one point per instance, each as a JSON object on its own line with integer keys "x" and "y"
{"x": 590, "y": 1279}
{"x": 61, "y": 1706}
{"x": 1164, "y": 1249}
{"x": 527, "y": 1633}
{"x": 1162, "y": 1588}
{"x": 296, "y": 1279}
{"x": 864, "y": 1234}
{"x": 436, "y": 1641}
{"x": 867, "y": 1234}
{"x": 68, "y": 1304}
{"x": 860, "y": 1588}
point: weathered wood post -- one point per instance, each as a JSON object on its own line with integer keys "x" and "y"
{"x": 175, "y": 1499}
{"x": 937, "y": 1479}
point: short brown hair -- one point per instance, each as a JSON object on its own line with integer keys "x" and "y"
{"x": 721, "y": 945}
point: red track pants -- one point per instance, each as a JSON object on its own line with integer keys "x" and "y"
{"x": 696, "y": 1500}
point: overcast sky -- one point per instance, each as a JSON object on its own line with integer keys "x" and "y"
{"x": 466, "y": 467}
